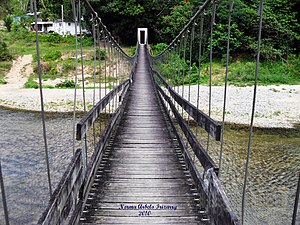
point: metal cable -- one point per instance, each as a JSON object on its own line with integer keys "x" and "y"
{"x": 296, "y": 202}
{"x": 5, "y": 209}
{"x": 225, "y": 88}
{"x": 42, "y": 99}
{"x": 76, "y": 74}
{"x": 95, "y": 62}
{"x": 84, "y": 142}
{"x": 179, "y": 67}
{"x": 199, "y": 69}
{"x": 190, "y": 65}
{"x": 210, "y": 64}
{"x": 261, "y": 4}
{"x": 100, "y": 68}
{"x": 183, "y": 70}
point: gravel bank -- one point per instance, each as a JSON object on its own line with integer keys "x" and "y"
{"x": 277, "y": 106}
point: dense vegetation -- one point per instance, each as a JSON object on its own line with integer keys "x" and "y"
{"x": 165, "y": 18}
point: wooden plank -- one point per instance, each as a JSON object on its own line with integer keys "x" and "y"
{"x": 141, "y": 164}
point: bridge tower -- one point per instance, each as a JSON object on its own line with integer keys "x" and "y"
{"x": 142, "y": 36}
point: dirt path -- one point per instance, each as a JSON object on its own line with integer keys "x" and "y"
{"x": 20, "y": 71}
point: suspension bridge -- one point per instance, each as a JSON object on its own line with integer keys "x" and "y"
{"x": 141, "y": 160}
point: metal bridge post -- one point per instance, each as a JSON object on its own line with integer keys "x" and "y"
{"x": 3, "y": 197}
{"x": 296, "y": 202}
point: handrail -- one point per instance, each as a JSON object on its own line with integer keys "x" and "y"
{"x": 203, "y": 120}
{"x": 66, "y": 193}
{"x": 89, "y": 118}
{"x": 202, "y": 155}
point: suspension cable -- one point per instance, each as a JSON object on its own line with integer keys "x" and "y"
{"x": 2, "y": 188}
{"x": 190, "y": 66}
{"x": 76, "y": 73}
{"x": 225, "y": 87}
{"x": 84, "y": 141}
{"x": 42, "y": 99}
{"x": 199, "y": 69}
{"x": 183, "y": 69}
{"x": 213, "y": 17}
{"x": 296, "y": 202}
{"x": 261, "y": 4}
{"x": 94, "y": 72}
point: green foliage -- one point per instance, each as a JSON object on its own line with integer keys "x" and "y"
{"x": 4, "y": 68}
{"x": 66, "y": 84}
{"x": 173, "y": 22}
{"x": 87, "y": 42}
{"x": 132, "y": 50}
{"x": 8, "y": 20}
{"x": 2, "y": 81}
{"x": 100, "y": 54}
{"x": 53, "y": 38}
{"x": 31, "y": 84}
{"x": 52, "y": 55}
{"x": 67, "y": 65}
{"x": 158, "y": 48}
{"x": 129, "y": 7}
{"x": 269, "y": 73}
{"x": 20, "y": 27}
{"x": 219, "y": 42}
{"x": 4, "y": 53}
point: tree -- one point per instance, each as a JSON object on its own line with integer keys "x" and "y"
{"x": 8, "y": 20}
{"x": 4, "y": 53}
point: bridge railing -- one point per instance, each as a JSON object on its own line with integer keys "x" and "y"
{"x": 175, "y": 71}
{"x": 203, "y": 169}
{"x": 116, "y": 69}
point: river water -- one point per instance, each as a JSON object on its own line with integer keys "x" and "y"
{"x": 274, "y": 167}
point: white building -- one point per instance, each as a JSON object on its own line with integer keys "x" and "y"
{"x": 62, "y": 28}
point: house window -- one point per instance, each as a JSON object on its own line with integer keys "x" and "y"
{"x": 69, "y": 24}
{"x": 60, "y": 24}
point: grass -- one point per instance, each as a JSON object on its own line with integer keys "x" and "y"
{"x": 275, "y": 72}
{"x": 241, "y": 73}
{"x": 4, "y": 68}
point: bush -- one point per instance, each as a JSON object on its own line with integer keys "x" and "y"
{"x": 66, "y": 84}
{"x": 69, "y": 39}
{"x": 133, "y": 50}
{"x": 86, "y": 42}
{"x": 31, "y": 84}
{"x": 8, "y": 20}
{"x": 45, "y": 68}
{"x": 30, "y": 37}
{"x": 53, "y": 38}
{"x": 4, "y": 53}
{"x": 67, "y": 66}
{"x": 100, "y": 54}
{"x": 2, "y": 81}
{"x": 158, "y": 48}
{"x": 53, "y": 55}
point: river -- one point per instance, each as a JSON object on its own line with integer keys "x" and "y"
{"x": 274, "y": 167}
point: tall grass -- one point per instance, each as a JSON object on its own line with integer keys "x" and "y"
{"x": 269, "y": 73}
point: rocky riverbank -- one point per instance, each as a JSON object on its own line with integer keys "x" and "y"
{"x": 276, "y": 106}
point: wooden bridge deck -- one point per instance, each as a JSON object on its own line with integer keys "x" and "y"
{"x": 142, "y": 178}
